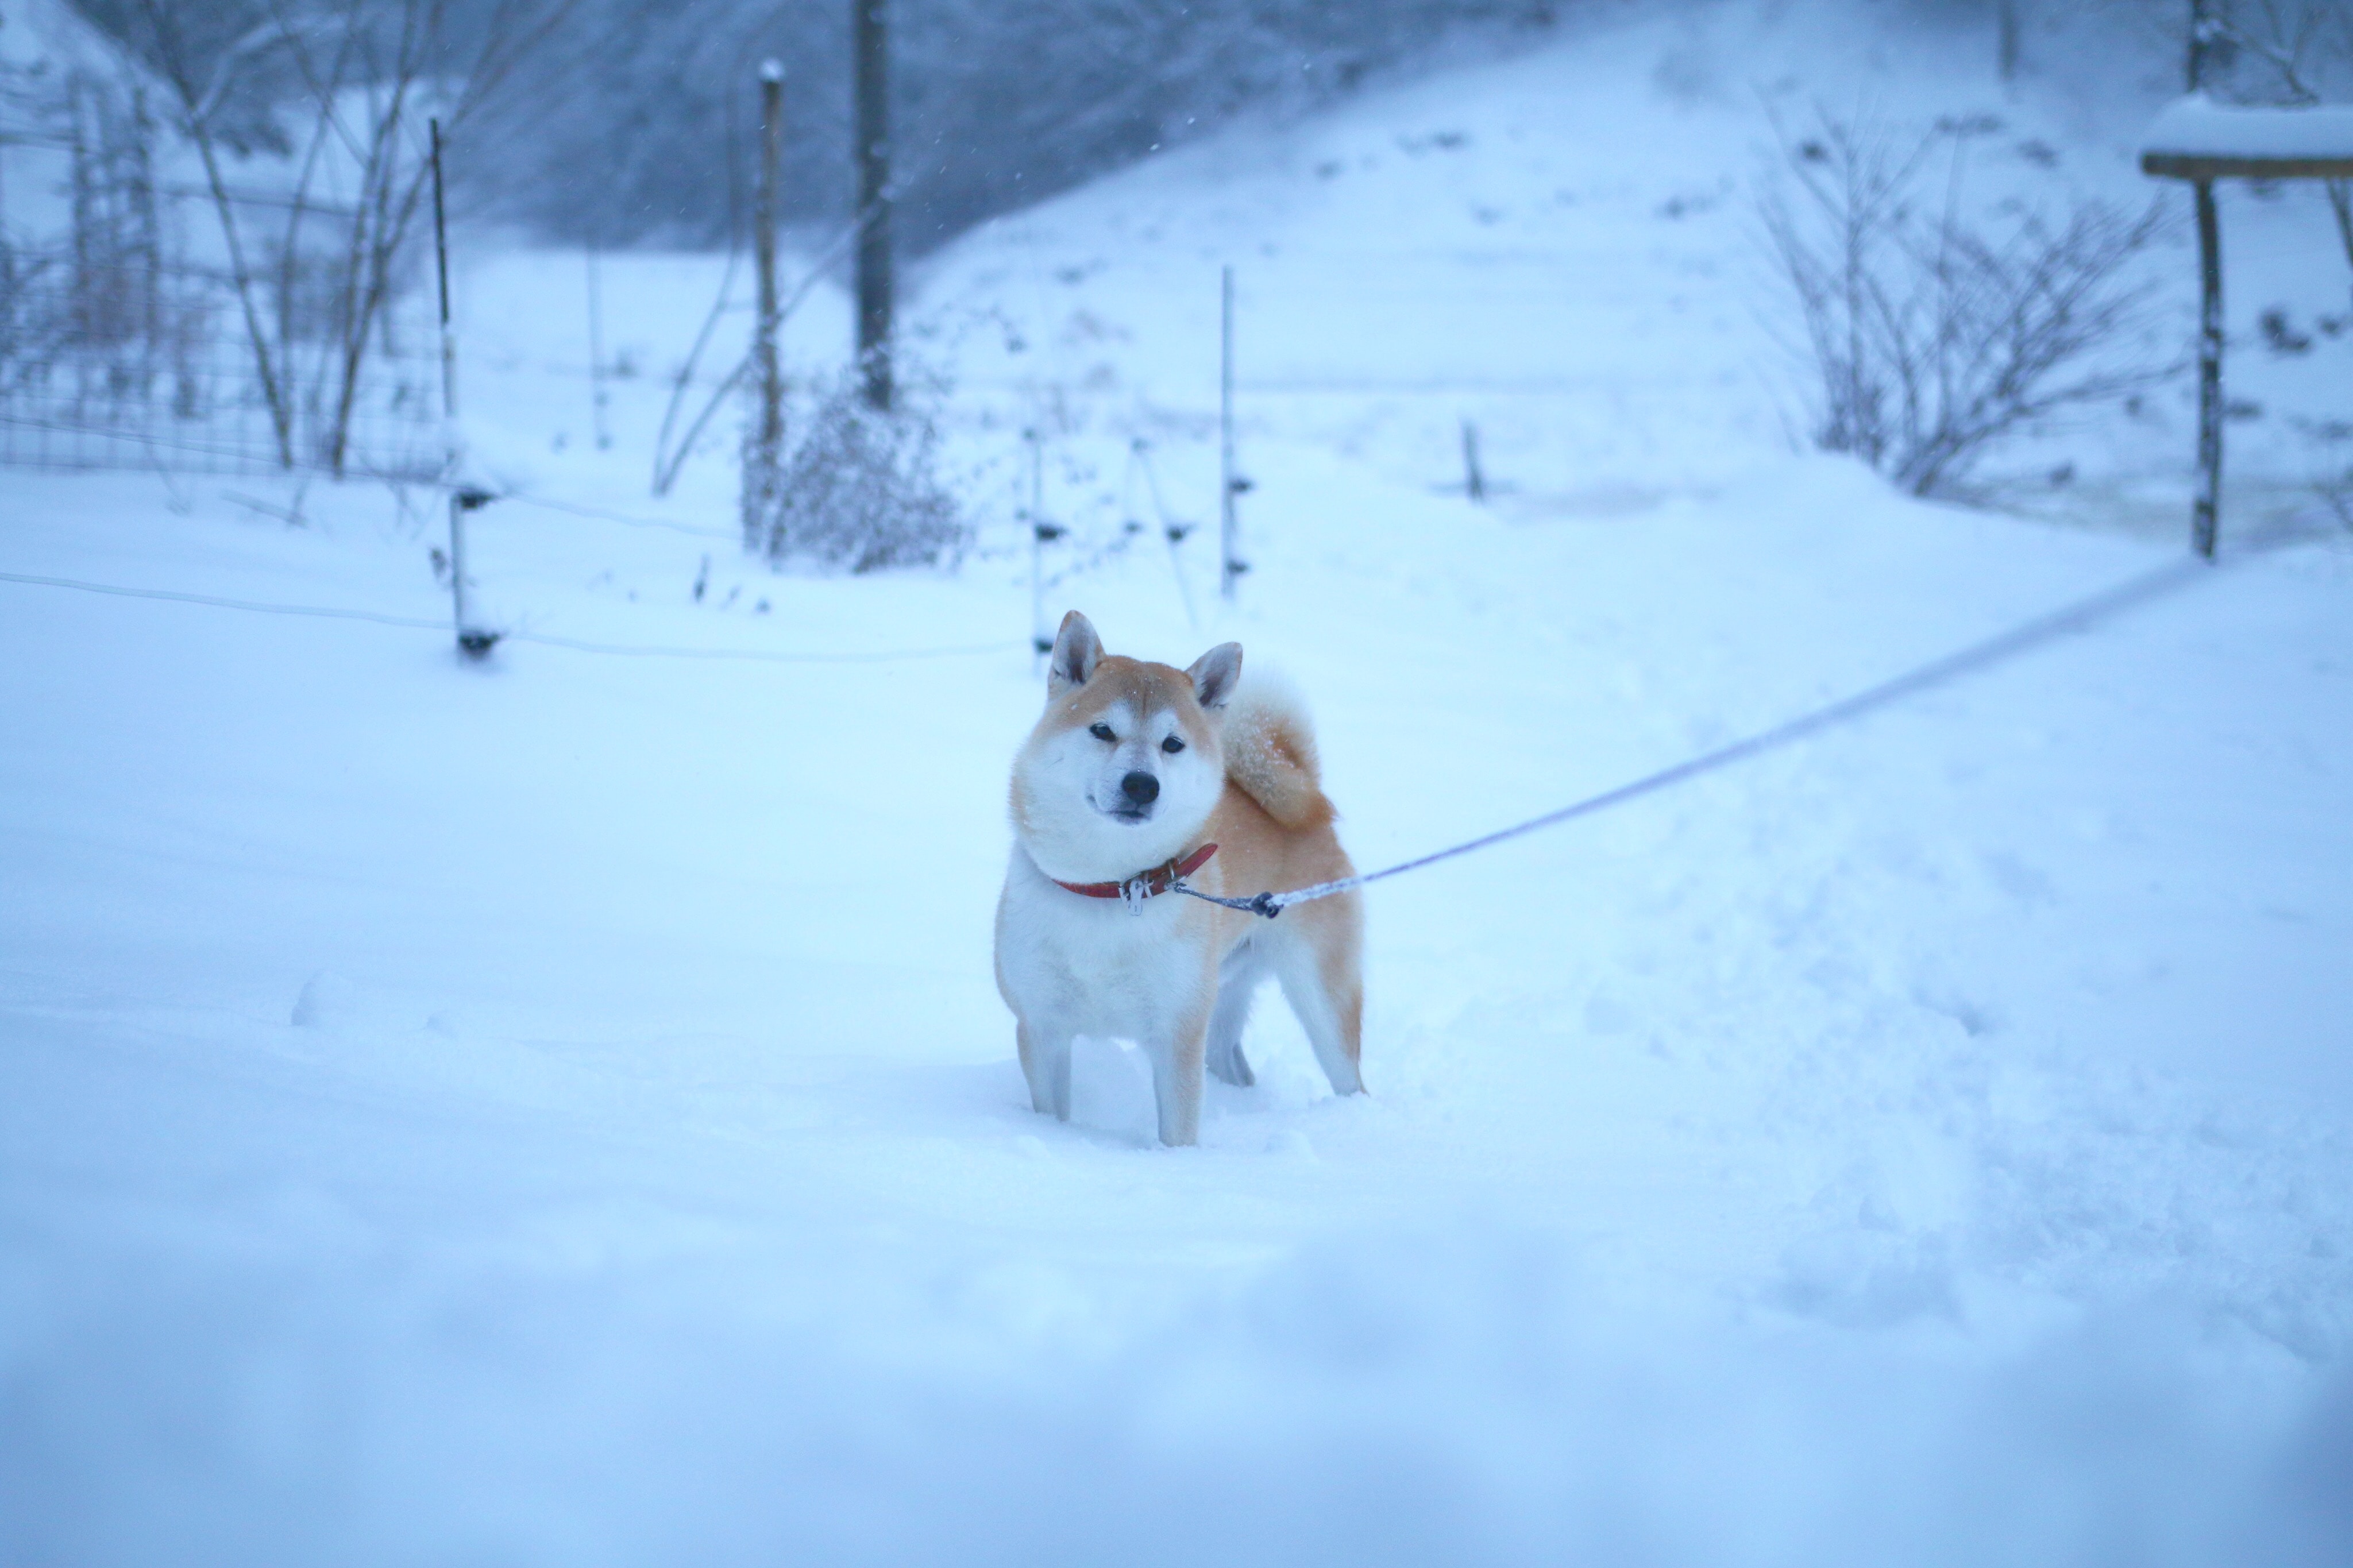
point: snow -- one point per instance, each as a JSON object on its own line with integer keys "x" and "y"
{"x": 46, "y": 36}
{"x": 2196, "y": 126}
{"x": 559, "y": 1111}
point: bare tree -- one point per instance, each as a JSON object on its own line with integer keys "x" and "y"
{"x": 201, "y": 88}
{"x": 359, "y": 78}
{"x": 1932, "y": 337}
{"x": 400, "y": 52}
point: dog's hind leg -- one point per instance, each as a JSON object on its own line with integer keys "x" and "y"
{"x": 1046, "y": 1062}
{"x": 1321, "y": 982}
{"x": 1237, "y": 980}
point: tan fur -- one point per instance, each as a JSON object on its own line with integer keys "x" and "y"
{"x": 1258, "y": 853}
{"x": 1270, "y": 754}
{"x": 1115, "y": 679}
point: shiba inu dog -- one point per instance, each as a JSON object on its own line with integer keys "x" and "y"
{"x": 1140, "y": 775}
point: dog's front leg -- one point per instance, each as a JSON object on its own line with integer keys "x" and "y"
{"x": 1177, "y": 1077}
{"x": 1046, "y": 1062}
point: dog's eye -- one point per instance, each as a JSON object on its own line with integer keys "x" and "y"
{"x": 1102, "y": 732}
{"x": 1172, "y": 745}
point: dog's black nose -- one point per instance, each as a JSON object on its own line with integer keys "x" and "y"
{"x": 1140, "y": 787}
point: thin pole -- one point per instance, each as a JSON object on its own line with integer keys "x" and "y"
{"x": 597, "y": 396}
{"x": 1041, "y": 644}
{"x": 874, "y": 271}
{"x": 2205, "y": 511}
{"x": 1474, "y": 483}
{"x": 471, "y": 641}
{"x": 761, "y": 480}
{"x": 1170, "y": 529}
{"x": 441, "y": 275}
{"x": 1229, "y": 483}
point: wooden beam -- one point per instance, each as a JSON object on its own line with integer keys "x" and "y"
{"x": 2200, "y": 168}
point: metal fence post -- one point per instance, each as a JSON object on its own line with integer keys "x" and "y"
{"x": 472, "y": 640}
{"x": 1229, "y": 483}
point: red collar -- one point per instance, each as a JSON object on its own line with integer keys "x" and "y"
{"x": 1145, "y": 884}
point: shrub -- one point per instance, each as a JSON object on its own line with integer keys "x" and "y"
{"x": 860, "y": 490}
{"x": 1929, "y": 339}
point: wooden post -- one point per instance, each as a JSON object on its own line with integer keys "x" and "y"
{"x": 1474, "y": 482}
{"x": 2200, "y": 170}
{"x": 874, "y": 269}
{"x": 2206, "y": 508}
{"x": 762, "y": 472}
{"x": 1229, "y": 484}
{"x": 2205, "y": 505}
{"x": 472, "y": 641}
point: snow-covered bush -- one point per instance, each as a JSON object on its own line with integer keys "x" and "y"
{"x": 1928, "y": 332}
{"x": 860, "y": 490}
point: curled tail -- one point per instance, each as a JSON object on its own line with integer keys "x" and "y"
{"x": 1271, "y": 752}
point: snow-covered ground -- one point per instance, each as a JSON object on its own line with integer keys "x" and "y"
{"x": 559, "y": 1111}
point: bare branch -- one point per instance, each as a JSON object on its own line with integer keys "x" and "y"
{"x": 1930, "y": 341}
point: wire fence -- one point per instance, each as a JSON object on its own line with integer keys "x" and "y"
{"x": 217, "y": 328}
{"x": 116, "y": 367}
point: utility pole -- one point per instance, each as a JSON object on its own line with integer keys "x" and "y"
{"x": 875, "y": 272}
{"x": 472, "y": 640}
{"x": 763, "y": 470}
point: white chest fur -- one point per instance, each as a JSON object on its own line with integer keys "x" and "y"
{"x": 1092, "y": 966}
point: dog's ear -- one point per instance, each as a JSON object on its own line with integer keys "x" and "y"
{"x": 1214, "y": 674}
{"x": 1077, "y": 650}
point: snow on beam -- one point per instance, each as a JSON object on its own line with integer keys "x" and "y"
{"x": 2198, "y": 139}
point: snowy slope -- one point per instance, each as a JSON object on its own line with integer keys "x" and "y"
{"x": 1565, "y": 250}
{"x": 560, "y": 1112}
